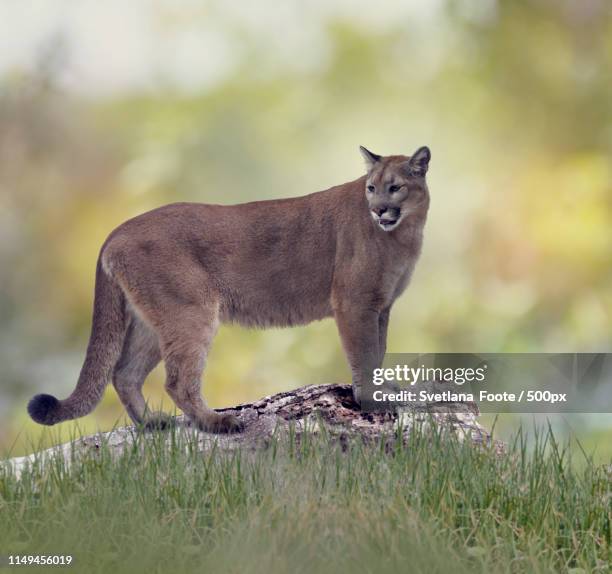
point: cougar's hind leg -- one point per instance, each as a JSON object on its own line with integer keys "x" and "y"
{"x": 185, "y": 343}
{"x": 140, "y": 355}
{"x": 183, "y": 311}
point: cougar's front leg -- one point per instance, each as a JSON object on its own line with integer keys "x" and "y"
{"x": 383, "y": 327}
{"x": 359, "y": 332}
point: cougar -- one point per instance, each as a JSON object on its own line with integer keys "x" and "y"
{"x": 166, "y": 280}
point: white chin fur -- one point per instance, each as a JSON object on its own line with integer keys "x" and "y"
{"x": 390, "y": 227}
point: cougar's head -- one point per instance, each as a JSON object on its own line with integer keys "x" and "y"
{"x": 395, "y": 186}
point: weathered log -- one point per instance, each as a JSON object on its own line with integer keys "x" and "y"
{"x": 306, "y": 409}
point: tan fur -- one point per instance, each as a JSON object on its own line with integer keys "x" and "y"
{"x": 168, "y": 278}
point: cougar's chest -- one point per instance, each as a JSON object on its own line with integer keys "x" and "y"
{"x": 399, "y": 267}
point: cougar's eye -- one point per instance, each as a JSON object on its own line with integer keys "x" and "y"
{"x": 394, "y": 188}
{"x": 370, "y": 188}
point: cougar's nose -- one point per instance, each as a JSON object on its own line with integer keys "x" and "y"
{"x": 379, "y": 210}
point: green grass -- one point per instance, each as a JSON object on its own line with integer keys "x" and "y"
{"x": 432, "y": 505}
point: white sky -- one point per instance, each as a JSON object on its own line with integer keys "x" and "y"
{"x": 119, "y": 45}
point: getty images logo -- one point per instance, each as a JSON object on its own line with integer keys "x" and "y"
{"x": 423, "y": 374}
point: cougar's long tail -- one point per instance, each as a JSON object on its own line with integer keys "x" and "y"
{"x": 108, "y": 330}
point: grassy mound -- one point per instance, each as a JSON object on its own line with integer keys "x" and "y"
{"x": 431, "y": 505}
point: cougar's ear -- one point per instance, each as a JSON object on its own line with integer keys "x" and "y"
{"x": 371, "y": 159}
{"x": 419, "y": 162}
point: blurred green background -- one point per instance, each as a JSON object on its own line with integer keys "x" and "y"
{"x": 110, "y": 109}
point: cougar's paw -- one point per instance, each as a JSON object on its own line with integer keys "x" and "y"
{"x": 223, "y": 423}
{"x": 158, "y": 421}
{"x": 357, "y": 394}
{"x": 229, "y": 423}
{"x": 391, "y": 387}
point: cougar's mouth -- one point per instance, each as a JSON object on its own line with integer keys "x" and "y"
{"x": 387, "y": 221}
{"x": 387, "y": 224}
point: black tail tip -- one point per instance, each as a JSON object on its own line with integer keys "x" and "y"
{"x": 42, "y": 409}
